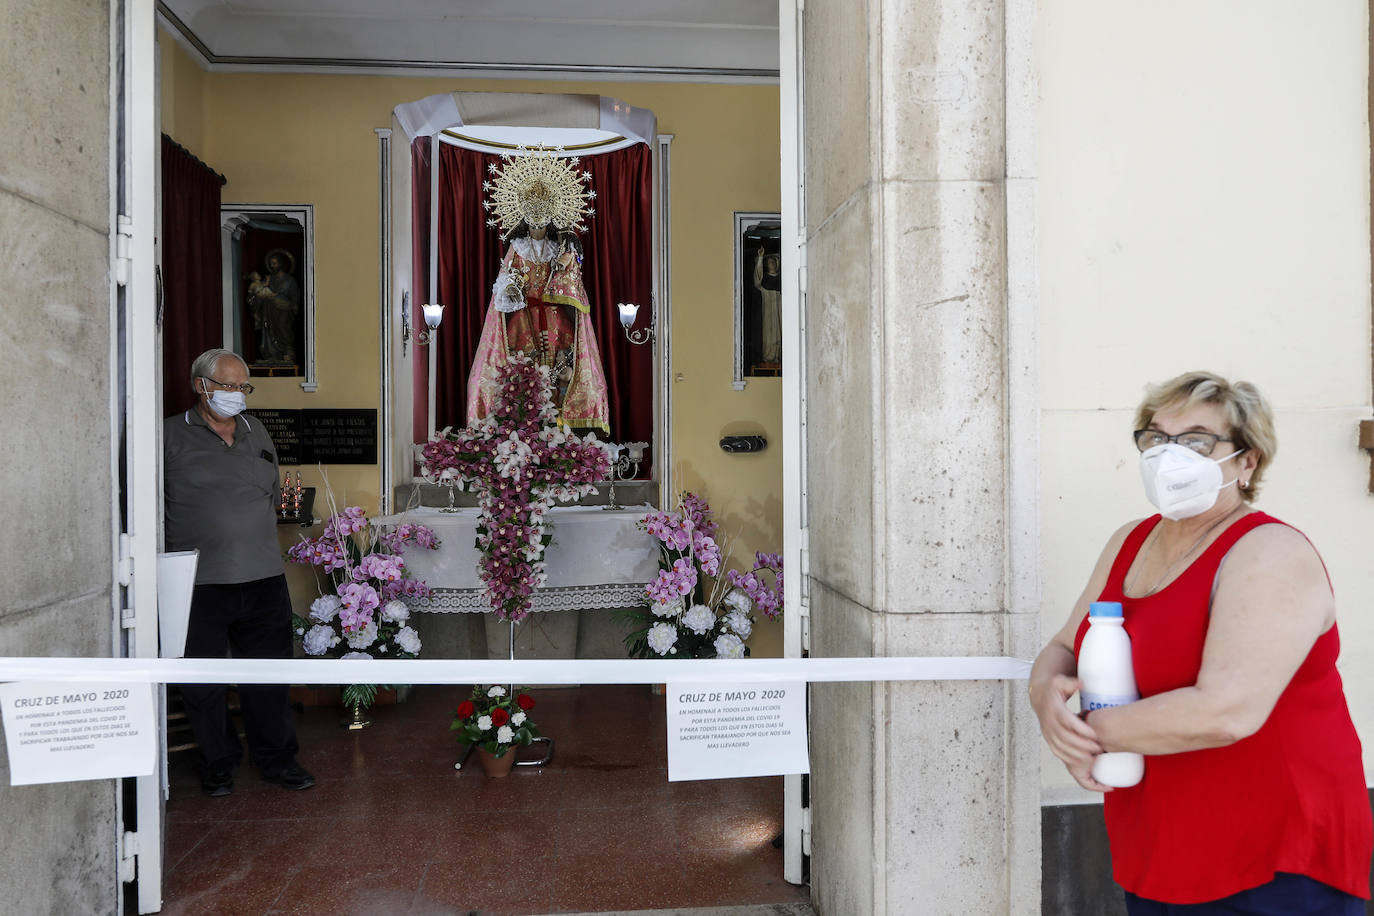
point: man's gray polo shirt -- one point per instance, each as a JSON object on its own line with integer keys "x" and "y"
{"x": 222, "y": 498}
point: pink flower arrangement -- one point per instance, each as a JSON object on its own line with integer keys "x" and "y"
{"x": 690, "y": 611}
{"x": 364, "y": 617}
{"x": 767, "y": 601}
{"x": 519, "y": 461}
{"x": 365, "y": 569}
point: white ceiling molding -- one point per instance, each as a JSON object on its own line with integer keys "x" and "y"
{"x": 734, "y": 41}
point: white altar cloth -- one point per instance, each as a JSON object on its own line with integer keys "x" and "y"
{"x": 599, "y": 558}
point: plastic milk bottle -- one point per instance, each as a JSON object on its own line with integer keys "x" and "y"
{"x": 1108, "y": 679}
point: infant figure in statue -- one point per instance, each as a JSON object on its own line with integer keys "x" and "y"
{"x": 538, "y": 304}
{"x": 275, "y": 301}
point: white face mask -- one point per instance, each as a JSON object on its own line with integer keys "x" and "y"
{"x": 1179, "y": 482}
{"x": 228, "y": 403}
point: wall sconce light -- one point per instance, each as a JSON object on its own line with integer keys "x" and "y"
{"x": 628, "y": 312}
{"x": 433, "y": 315}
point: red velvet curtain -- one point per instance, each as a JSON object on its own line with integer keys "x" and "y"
{"x": 192, "y": 291}
{"x": 469, "y": 260}
{"x": 617, "y": 267}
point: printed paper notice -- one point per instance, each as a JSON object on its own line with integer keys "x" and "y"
{"x": 723, "y": 731}
{"x": 58, "y": 732}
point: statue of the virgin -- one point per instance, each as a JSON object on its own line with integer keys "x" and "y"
{"x": 538, "y": 303}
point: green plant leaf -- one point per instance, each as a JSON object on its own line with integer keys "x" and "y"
{"x": 358, "y": 695}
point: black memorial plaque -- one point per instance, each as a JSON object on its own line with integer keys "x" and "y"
{"x": 284, "y": 426}
{"x": 341, "y": 436}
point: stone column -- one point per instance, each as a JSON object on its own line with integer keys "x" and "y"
{"x": 920, "y": 434}
{"x": 57, "y": 848}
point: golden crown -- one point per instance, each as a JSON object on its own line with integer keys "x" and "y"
{"x": 539, "y": 187}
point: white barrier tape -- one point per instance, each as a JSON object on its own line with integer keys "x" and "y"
{"x": 499, "y": 671}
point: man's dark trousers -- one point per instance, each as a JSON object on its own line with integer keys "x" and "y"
{"x": 250, "y": 620}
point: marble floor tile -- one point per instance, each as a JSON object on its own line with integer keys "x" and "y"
{"x": 392, "y": 827}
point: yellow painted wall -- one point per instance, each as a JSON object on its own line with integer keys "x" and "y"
{"x": 287, "y": 138}
{"x": 182, "y": 95}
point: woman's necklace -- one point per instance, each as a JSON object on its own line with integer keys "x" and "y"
{"x": 1189, "y": 552}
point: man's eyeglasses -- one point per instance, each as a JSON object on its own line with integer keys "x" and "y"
{"x": 225, "y": 386}
{"x": 1202, "y": 443}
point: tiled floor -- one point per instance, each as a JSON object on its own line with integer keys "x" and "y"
{"x": 392, "y": 828}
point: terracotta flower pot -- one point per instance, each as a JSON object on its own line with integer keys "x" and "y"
{"x": 494, "y": 766}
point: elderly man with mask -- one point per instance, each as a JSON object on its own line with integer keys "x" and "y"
{"x": 220, "y": 485}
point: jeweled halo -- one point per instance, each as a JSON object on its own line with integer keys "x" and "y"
{"x": 539, "y": 187}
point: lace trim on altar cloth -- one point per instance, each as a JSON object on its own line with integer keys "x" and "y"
{"x": 574, "y": 598}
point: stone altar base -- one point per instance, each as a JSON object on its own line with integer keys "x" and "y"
{"x": 450, "y": 635}
{"x": 544, "y": 635}
{"x": 557, "y": 634}
{"x": 551, "y": 635}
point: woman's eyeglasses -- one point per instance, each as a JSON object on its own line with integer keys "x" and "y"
{"x": 1202, "y": 443}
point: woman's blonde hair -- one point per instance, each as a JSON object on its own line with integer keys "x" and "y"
{"x": 1247, "y": 414}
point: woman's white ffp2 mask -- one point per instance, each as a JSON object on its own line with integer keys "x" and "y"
{"x": 1179, "y": 482}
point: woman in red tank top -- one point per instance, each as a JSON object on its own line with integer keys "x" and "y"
{"x": 1254, "y": 798}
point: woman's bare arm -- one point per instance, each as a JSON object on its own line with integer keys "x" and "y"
{"x": 1053, "y": 679}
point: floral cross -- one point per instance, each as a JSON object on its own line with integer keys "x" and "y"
{"x": 518, "y": 460}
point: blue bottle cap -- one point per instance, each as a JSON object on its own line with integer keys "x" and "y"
{"x": 1104, "y": 609}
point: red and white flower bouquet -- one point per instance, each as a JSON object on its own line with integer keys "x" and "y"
{"x": 494, "y": 720}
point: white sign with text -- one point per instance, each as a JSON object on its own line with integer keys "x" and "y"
{"x": 63, "y": 732}
{"x": 723, "y": 731}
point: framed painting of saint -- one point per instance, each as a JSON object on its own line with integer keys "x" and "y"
{"x": 269, "y": 288}
{"x": 758, "y": 296}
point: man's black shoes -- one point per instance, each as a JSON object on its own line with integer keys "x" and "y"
{"x": 292, "y": 776}
{"x": 217, "y": 781}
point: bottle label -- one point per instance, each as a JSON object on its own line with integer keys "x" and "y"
{"x": 1091, "y": 701}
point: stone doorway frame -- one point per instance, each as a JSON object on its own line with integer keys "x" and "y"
{"x": 926, "y": 114}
